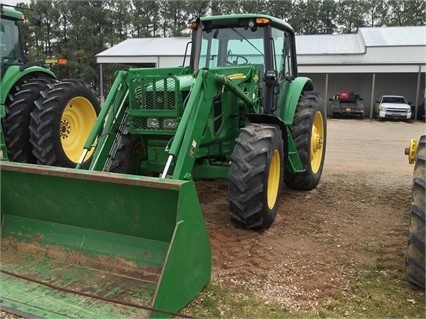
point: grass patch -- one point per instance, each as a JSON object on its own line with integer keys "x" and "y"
{"x": 378, "y": 293}
{"x": 373, "y": 293}
{"x": 232, "y": 302}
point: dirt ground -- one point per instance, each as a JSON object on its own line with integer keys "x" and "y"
{"x": 357, "y": 216}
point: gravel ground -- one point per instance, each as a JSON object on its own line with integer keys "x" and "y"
{"x": 357, "y": 217}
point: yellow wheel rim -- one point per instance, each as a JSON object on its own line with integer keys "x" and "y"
{"x": 76, "y": 123}
{"x": 411, "y": 151}
{"x": 317, "y": 142}
{"x": 274, "y": 179}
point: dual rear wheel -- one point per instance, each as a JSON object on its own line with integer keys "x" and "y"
{"x": 48, "y": 121}
{"x": 61, "y": 122}
{"x": 19, "y": 105}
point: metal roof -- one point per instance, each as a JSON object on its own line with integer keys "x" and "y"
{"x": 330, "y": 44}
{"x": 325, "y": 46}
{"x": 394, "y": 36}
{"x": 147, "y": 47}
{"x": 357, "y": 43}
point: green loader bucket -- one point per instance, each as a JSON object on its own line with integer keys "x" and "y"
{"x": 84, "y": 244}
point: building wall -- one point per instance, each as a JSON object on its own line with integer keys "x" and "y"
{"x": 385, "y": 83}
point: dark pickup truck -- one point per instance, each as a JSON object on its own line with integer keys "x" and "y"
{"x": 347, "y": 103}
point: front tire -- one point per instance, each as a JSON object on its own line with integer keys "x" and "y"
{"x": 255, "y": 176}
{"x": 415, "y": 261}
{"x": 309, "y": 132}
{"x": 126, "y": 152}
{"x": 61, "y": 122}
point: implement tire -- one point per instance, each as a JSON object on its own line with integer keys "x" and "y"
{"x": 415, "y": 260}
{"x": 255, "y": 176}
{"x": 19, "y": 105}
{"x": 309, "y": 132}
{"x": 61, "y": 122}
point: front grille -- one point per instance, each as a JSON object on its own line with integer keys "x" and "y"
{"x": 154, "y": 100}
{"x": 397, "y": 110}
{"x": 154, "y": 93}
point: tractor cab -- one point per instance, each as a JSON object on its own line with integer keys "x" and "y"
{"x": 247, "y": 40}
{"x": 10, "y": 45}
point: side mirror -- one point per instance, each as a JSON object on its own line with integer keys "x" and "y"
{"x": 271, "y": 77}
{"x": 36, "y": 21}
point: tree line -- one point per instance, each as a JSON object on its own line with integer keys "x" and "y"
{"x": 78, "y": 30}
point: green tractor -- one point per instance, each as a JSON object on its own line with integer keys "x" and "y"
{"x": 238, "y": 111}
{"x": 30, "y": 93}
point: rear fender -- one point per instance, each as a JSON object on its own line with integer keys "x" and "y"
{"x": 286, "y": 105}
{"x": 14, "y": 75}
{"x": 286, "y": 110}
{"x": 290, "y": 98}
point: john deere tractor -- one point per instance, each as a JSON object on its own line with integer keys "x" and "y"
{"x": 66, "y": 108}
{"x": 129, "y": 230}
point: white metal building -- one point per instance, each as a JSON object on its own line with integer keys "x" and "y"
{"x": 375, "y": 61}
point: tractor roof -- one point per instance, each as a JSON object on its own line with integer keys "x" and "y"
{"x": 11, "y": 13}
{"x": 273, "y": 20}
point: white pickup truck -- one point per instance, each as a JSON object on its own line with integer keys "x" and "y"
{"x": 393, "y": 107}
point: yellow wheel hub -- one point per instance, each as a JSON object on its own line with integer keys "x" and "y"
{"x": 76, "y": 123}
{"x": 317, "y": 142}
{"x": 411, "y": 151}
{"x": 274, "y": 179}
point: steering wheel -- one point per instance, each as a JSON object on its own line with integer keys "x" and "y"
{"x": 227, "y": 59}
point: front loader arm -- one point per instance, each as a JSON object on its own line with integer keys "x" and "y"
{"x": 108, "y": 121}
{"x": 189, "y": 133}
{"x": 190, "y": 130}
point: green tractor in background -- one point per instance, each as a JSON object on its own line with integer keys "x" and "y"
{"x": 129, "y": 230}
{"x": 30, "y": 93}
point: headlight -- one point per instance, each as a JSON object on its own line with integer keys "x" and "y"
{"x": 169, "y": 124}
{"x": 382, "y": 108}
{"x": 153, "y": 123}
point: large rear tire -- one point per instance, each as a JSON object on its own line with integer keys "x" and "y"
{"x": 19, "y": 106}
{"x": 255, "y": 176}
{"x": 415, "y": 261}
{"x": 61, "y": 122}
{"x": 309, "y": 132}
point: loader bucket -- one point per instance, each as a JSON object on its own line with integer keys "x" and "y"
{"x": 84, "y": 244}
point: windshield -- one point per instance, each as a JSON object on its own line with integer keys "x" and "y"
{"x": 232, "y": 47}
{"x": 394, "y": 99}
{"x": 10, "y": 49}
{"x": 243, "y": 45}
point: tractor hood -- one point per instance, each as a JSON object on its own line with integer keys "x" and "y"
{"x": 185, "y": 82}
